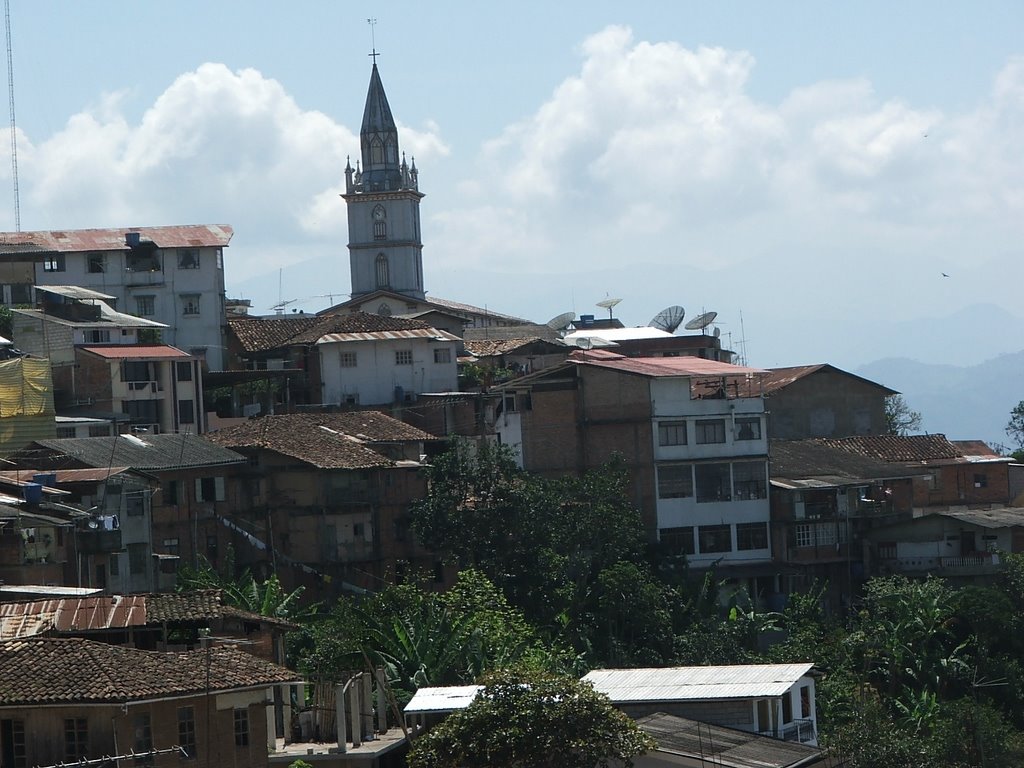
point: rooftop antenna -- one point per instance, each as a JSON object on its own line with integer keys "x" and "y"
{"x": 373, "y": 39}
{"x": 14, "y": 128}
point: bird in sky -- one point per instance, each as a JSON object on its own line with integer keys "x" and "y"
{"x": 944, "y": 274}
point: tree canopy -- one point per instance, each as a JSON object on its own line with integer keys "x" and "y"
{"x": 532, "y": 721}
{"x": 900, "y": 418}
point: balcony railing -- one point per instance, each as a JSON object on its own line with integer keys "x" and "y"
{"x": 976, "y": 562}
{"x": 801, "y": 731}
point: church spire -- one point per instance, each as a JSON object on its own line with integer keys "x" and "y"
{"x": 378, "y": 140}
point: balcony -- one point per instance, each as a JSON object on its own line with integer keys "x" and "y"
{"x": 99, "y": 542}
{"x": 974, "y": 564}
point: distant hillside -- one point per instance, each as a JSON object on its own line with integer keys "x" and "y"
{"x": 962, "y": 402}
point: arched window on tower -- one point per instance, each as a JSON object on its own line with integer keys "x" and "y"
{"x": 376, "y": 152}
{"x": 383, "y": 273}
{"x": 380, "y": 224}
{"x": 391, "y": 151}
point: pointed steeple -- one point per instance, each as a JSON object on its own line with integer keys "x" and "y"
{"x": 378, "y": 140}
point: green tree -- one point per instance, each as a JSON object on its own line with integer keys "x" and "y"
{"x": 900, "y": 418}
{"x": 1015, "y": 426}
{"x": 267, "y": 597}
{"x": 532, "y": 721}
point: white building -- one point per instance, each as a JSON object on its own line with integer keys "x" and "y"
{"x": 172, "y": 275}
{"x": 374, "y": 368}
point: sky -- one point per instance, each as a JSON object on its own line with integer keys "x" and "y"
{"x": 809, "y": 171}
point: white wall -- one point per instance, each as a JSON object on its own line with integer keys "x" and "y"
{"x": 376, "y": 375}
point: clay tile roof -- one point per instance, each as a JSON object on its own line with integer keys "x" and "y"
{"x": 303, "y": 436}
{"x": 491, "y": 347}
{"x": 43, "y": 670}
{"x": 198, "y": 605}
{"x": 262, "y": 334}
{"x": 894, "y": 448}
{"x": 76, "y": 240}
{"x": 800, "y": 460}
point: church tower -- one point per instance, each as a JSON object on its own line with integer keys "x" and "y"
{"x": 383, "y": 198}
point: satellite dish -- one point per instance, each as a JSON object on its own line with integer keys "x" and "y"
{"x": 668, "y": 319}
{"x": 561, "y": 321}
{"x": 585, "y": 342}
{"x": 717, "y": 332}
{"x": 701, "y": 321}
{"x": 608, "y": 303}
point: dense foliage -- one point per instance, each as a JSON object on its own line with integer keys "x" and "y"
{"x": 555, "y": 580}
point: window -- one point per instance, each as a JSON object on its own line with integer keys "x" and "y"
{"x": 442, "y": 355}
{"x": 114, "y": 561}
{"x": 143, "y": 262}
{"x": 170, "y": 492}
{"x": 96, "y": 263}
{"x": 748, "y": 428}
{"x": 714, "y": 538}
{"x": 383, "y": 273}
{"x": 99, "y": 430}
{"x": 679, "y": 541}
{"x": 712, "y": 481}
{"x": 12, "y": 739}
{"x": 348, "y": 359}
{"x": 210, "y": 489}
{"x": 805, "y": 701}
{"x": 97, "y": 337}
{"x": 145, "y": 306}
{"x": 672, "y": 433}
{"x": 135, "y": 370}
{"x": 380, "y": 224}
{"x": 787, "y": 708}
{"x": 54, "y": 263}
{"x": 211, "y": 547}
{"x": 980, "y": 480}
{"x": 76, "y": 739}
{"x": 186, "y": 411}
{"x": 65, "y": 431}
{"x": 675, "y": 481}
{"x": 187, "y": 731}
{"x": 403, "y": 357}
{"x": 183, "y": 371}
{"x": 749, "y": 480}
{"x": 171, "y": 546}
{"x": 188, "y": 258}
{"x": 137, "y": 558}
{"x": 376, "y": 151}
{"x": 143, "y": 741}
{"x": 190, "y": 303}
{"x": 751, "y": 536}
{"x": 135, "y": 503}
{"x": 241, "y": 727}
{"x": 710, "y": 431}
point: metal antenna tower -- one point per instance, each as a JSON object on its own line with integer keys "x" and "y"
{"x": 14, "y": 125}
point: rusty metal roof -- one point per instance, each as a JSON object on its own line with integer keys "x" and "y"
{"x": 89, "y": 475}
{"x": 135, "y": 351}
{"x": 662, "y": 366}
{"x": 77, "y": 240}
{"x": 71, "y": 614}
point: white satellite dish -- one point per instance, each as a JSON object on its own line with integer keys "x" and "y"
{"x": 701, "y": 321}
{"x": 584, "y": 342}
{"x": 608, "y": 304}
{"x": 668, "y": 319}
{"x": 561, "y": 322}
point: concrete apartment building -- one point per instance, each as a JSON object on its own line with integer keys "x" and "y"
{"x": 697, "y": 453}
{"x": 171, "y": 275}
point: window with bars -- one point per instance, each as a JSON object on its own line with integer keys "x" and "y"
{"x": 348, "y": 359}
{"x": 190, "y": 303}
{"x": 54, "y": 263}
{"x": 403, "y": 357}
{"x": 187, "y": 731}
{"x": 712, "y": 482}
{"x": 96, "y": 263}
{"x": 672, "y": 433}
{"x": 442, "y": 355}
{"x": 678, "y": 541}
{"x": 188, "y": 258}
{"x": 749, "y": 480}
{"x": 748, "y": 428}
{"x": 145, "y": 306}
{"x": 714, "y": 538}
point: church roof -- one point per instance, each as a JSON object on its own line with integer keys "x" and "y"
{"x": 377, "y": 113}
{"x": 262, "y": 334}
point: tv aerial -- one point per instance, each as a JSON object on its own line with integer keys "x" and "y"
{"x": 608, "y": 304}
{"x": 702, "y": 321}
{"x": 668, "y": 319}
{"x": 562, "y": 321}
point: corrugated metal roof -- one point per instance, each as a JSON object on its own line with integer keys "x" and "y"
{"x": 1007, "y": 517}
{"x": 64, "y": 475}
{"x": 419, "y": 333}
{"x": 692, "y": 683}
{"x": 46, "y": 589}
{"x": 76, "y": 240}
{"x": 618, "y": 334}
{"x": 663, "y": 366}
{"x": 135, "y": 351}
{"x": 74, "y": 292}
{"x": 442, "y": 699}
{"x": 71, "y": 614}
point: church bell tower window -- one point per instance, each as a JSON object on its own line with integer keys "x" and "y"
{"x": 380, "y": 224}
{"x": 383, "y": 273}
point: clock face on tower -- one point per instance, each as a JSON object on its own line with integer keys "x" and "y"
{"x": 378, "y": 213}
